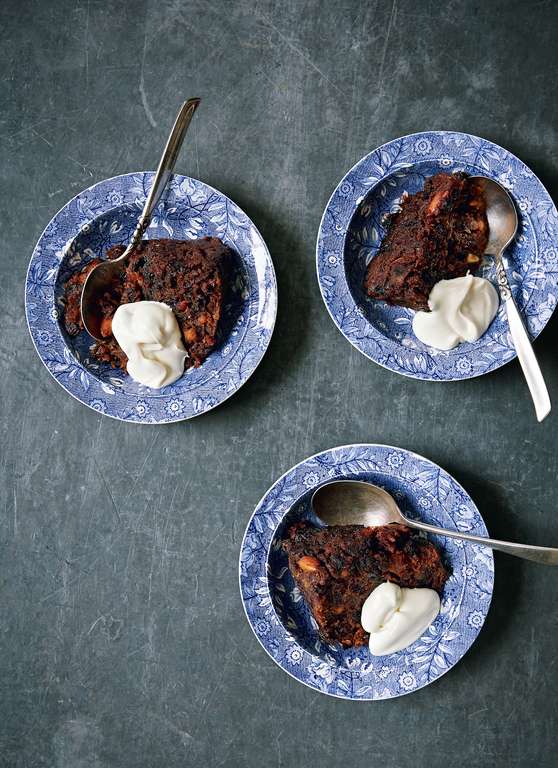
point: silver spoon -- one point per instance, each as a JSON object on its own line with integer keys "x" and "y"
{"x": 502, "y": 223}
{"x": 100, "y": 278}
{"x": 354, "y": 502}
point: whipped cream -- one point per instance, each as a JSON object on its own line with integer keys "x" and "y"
{"x": 462, "y": 310}
{"x": 396, "y": 616}
{"x": 148, "y": 334}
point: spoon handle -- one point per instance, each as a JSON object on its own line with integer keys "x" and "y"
{"x": 165, "y": 169}
{"x": 544, "y": 555}
{"x": 522, "y": 344}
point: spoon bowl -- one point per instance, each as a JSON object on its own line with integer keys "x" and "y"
{"x": 353, "y": 502}
{"x": 501, "y": 215}
{"x": 98, "y": 282}
{"x": 356, "y": 502}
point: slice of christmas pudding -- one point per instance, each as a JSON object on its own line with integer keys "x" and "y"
{"x": 337, "y": 567}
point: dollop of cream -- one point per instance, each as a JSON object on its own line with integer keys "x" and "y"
{"x": 148, "y": 334}
{"x": 462, "y": 310}
{"x": 396, "y": 616}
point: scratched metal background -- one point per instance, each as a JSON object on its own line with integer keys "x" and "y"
{"x": 123, "y": 641}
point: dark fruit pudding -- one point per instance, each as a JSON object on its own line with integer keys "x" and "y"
{"x": 187, "y": 275}
{"x": 439, "y": 233}
{"x": 337, "y": 567}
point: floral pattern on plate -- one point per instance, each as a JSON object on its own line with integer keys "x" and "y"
{"x": 280, "y": 618}
{"x": 353, "y": 226}
{"x": 105, "y": 215}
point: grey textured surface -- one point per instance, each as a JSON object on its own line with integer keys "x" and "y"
{"x": 123, "y": 640}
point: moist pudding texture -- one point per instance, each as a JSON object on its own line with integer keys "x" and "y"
{"x": 336, "y": 568}
{"x": 187, "y": 275}
{"x": 440, "y": 232}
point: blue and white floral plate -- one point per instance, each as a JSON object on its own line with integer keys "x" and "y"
{"x": 105, "y": 215}
{"x": 280, "y": 618}
{"x": 352, "y": 229}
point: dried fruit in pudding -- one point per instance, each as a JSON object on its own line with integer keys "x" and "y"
{"x": 336, "y": 568}
{"x": 439, "y": 233}
{"x": 187, "y": 275}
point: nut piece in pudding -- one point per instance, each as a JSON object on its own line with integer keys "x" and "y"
{"x": 336, "y": 569}
{"x": 308, "y": 564}
{"x": 440, "y": 233}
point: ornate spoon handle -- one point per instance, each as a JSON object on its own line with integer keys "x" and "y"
{"x": 522, "y": 344}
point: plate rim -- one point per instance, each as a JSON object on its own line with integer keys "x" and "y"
{"x": 402, "y": 372}
{"x": 249, "y": 522}
{"x": 177, "y": 418}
